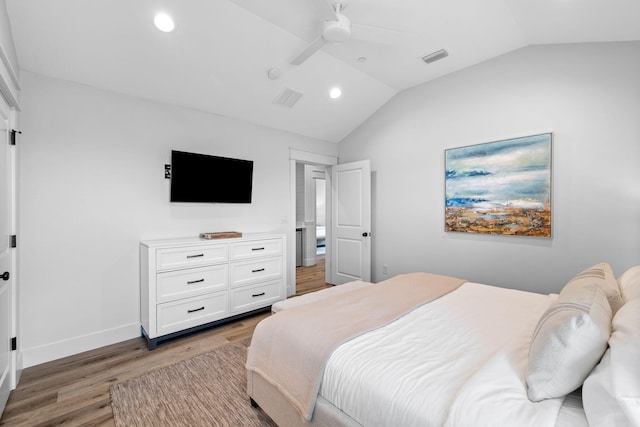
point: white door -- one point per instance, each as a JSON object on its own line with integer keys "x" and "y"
{"x": 351, "y": 222}
{"x": 6, "y": 255}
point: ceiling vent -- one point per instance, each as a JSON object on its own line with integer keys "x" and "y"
{"x": 287, "y": 98}
{"x": 435, "y": 56}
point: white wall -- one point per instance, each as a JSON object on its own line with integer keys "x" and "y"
{"x": 6, "y": 38}
{"x": 91, "y": 176}
{"x": 588, "y": 95}
{"x": 9, "y": 86}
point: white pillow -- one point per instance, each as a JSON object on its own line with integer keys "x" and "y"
{"x": 610, "y": 286}
{"x": 602, "y": 275}
{"x": 629, "y": 283}
{"x": 611, "y": 393}
{"x": 570, "y": 338}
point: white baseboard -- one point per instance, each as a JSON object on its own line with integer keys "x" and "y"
{"x": 57, "y": 350}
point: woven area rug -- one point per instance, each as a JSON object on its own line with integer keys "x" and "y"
{"x": 207, "y": 390}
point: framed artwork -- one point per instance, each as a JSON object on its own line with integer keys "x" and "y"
{"x": 501, "y": 187}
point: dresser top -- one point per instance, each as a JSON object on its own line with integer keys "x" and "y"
{"x": 195, "y": 241}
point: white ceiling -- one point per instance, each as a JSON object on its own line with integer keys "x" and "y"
{"x": 216, "y": 59}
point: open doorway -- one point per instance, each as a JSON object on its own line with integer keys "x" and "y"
{"x": 348, "y": 218}
{"x": 311, "y": 214}
{"x": 307, "y": 169}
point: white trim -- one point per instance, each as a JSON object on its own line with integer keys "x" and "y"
{"x": 12, "y": 72}
{"x": 69, "y": 347}
{"x": 314, "y": 158}
{"x": 5, "y": 111}
{"x": 9, "y": 84}
{"x": 291, "y": 241}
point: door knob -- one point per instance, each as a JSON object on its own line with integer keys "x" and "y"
{"x": 5, "y": 275}
{"x": 365, "y": 234}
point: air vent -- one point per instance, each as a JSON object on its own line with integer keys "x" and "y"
{"x": 435, "y": 56}
{"x": 288, "y": 98}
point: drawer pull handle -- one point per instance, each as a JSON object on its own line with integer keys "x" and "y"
{"x": 258, "y": 270}
{"x": 195, "y": 309}
{"x": 195, "y": 281}
{"x": 195, "y": 256}
{"x": 257, "y": 249}
{"x": 258, "y": 295}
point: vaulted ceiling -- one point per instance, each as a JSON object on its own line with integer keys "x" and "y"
{"x": 219, "y": 55}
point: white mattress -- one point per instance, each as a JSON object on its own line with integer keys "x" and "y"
{"x": 456, "y": 361}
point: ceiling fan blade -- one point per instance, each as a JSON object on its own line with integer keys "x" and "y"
{"x": 325, "y": 9}
{"x": 308, "y": 51}
{"x": 380, "y": 35}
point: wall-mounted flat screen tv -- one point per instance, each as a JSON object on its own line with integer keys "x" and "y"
{"x": 201, "y": 178}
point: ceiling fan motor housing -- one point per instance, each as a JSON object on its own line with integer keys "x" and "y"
{"x": 337, "y": 31}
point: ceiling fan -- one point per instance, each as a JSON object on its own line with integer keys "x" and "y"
{"x": 338, "y": 28}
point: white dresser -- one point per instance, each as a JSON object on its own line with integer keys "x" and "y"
{"x": 191, "y": 283}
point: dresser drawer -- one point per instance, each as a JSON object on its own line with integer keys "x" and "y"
{"x": 190, "y": 256}
{"x": 186, "y": 313}
{"x": 174, "y": 285}
{"x": 256, "y": 248}
{"x": 255, "y": 296}
{"x": 247, "y": 272}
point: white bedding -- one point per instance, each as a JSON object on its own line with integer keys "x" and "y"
{"x": 456, "y": 361}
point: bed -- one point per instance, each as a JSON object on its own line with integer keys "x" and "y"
{"x": 450, "y": 352}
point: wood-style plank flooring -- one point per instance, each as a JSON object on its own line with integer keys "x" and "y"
{"x": 74, "y": 391}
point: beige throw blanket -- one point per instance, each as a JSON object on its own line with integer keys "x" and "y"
{"x": 290, "y": 349}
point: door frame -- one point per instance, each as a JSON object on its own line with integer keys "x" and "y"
{"x": 8, "y": 115}
{"x": 9, "y": 90}
{"x": 299, "y": 156}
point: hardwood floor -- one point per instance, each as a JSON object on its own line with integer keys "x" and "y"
{"x": 74, "y": 391}
{"x": 312, "y": 278}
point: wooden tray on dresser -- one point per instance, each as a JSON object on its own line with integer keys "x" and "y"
{"x": 220, "y": 235}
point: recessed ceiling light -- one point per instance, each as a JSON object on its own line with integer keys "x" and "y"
{"x": 164, "y": 22}
{"x": 362, "y": 59}
{"x": 335, "y": 93}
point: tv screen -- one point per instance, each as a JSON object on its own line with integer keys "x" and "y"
{"x": 202, "y": 178}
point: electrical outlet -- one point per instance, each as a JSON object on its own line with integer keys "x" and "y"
{"x": 167, "y": 171}
{"x": 385, "y": 269}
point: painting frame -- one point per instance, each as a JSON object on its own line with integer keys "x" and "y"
{"x": 501, "y": 187}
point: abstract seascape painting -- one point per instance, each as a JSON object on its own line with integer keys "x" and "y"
{"x": 501, "y": 187}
